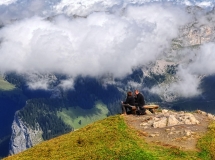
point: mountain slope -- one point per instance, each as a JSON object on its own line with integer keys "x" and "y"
{"x": 110, "y": 138}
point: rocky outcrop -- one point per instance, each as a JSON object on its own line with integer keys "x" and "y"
{"x": 172, "y": 128}
{"x": 23, "y": 136}
{"x": 167, "y": 118}
{"x": 195, "y": 34}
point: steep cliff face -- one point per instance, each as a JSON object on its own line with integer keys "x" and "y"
{"x": 23, "y": 136}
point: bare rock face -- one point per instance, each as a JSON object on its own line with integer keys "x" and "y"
{"x": 23, "y": 136}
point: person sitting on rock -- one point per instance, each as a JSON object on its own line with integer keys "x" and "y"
{"x": 128, "y": 103}
{"x": 139, "y": 102}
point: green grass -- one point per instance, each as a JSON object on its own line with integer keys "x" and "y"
{"x": 110, "y": 139}
{"x": 5, "y": 86}
{"x": 207, "y": 144}
{"x": 78, "y": 117}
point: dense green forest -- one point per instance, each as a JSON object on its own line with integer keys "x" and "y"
{"x": 44, "y": 112}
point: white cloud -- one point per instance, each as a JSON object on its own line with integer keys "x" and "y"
{"x": 15, "y": 10}
{"x": 40, "y": 84}
{"x": 204, "y": 4}
{"x": 201, "y": 63}
{"x": 115, "y": 42}
{"x": 19, "y": 9}
{"x": 7, "y": 2}
{"x": 134, "y": 85}
{"x": 204, "y": 61}
{"x": 84, "y": 8}
{"x": 39, "y": 81}
{"x": 187, "y": 86}
{"x": 67, "y": 84}
{"x": 99, "y": 44}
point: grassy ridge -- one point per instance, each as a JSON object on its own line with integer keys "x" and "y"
{"x": 108, "y": 139}
{"x": 207, "y": 143}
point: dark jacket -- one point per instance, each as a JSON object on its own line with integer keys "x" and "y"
{"x": 140, "y": 100}
{"x": 129, "y": 100}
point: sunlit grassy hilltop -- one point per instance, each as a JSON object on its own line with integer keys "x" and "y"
{"x": 111, "y": 138}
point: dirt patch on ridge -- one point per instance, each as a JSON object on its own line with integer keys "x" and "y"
{"x": 183, "y": 136}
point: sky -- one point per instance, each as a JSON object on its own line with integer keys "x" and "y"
{"x": 95, "y": 38}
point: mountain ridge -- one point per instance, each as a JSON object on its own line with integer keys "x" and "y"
{"x": 112, "y": 138}
{"x": 158, "y": 81}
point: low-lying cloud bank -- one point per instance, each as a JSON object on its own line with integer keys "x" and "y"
{"x": 113, "y": 37}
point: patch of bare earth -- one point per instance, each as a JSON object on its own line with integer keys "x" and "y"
{"x": 183, "y": 136}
